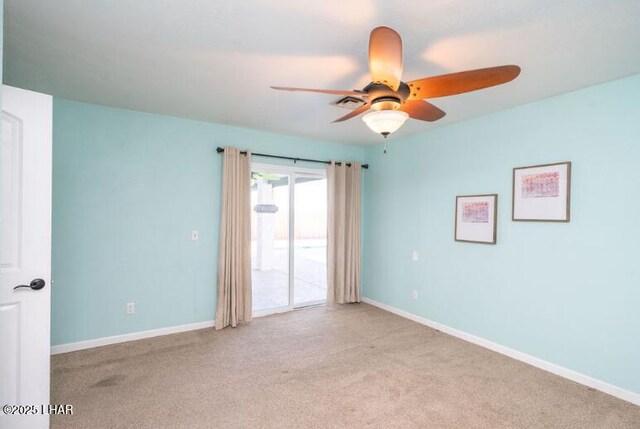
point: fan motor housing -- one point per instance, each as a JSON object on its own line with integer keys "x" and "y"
{"x": 386, "y": 103}
{"x": 384, "y": 98}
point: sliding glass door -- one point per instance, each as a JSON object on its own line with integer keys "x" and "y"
{"x": 288, "y": 238}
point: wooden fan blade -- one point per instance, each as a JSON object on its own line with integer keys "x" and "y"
{"x": 385, "y": 57}
{"x": 458, "y": 83}
{"x": 419, "y": 109}
{"x": 354, "y": 113}
{"x": 322, "y": 91}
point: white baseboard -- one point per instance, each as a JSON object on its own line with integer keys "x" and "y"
{"x": 98, "y": 342}
{"x": 600, "y": 385}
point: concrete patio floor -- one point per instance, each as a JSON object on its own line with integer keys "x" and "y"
{"x": 271, "y": 287}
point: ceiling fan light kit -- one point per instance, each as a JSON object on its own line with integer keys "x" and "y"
{"x": 385, "y": 122}
{"x": 394, "y": 101}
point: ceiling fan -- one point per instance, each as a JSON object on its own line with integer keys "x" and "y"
{"x": 393, "y": 101}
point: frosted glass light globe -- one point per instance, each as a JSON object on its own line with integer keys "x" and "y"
{"x": 385, "y": 122}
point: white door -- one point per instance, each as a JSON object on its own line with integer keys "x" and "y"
{"x": 25, "y": 255}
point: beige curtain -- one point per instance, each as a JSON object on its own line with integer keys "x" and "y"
{"x": 234, "y": 259}
{"x": 343, "y": 236}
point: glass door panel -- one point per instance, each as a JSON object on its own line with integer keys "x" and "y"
{"x": 310, "y": 239}
{"x": 270, "y": 241}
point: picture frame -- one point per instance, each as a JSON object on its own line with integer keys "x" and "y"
{"x": 476, "y": 218}
{"x": 542, "y": 193}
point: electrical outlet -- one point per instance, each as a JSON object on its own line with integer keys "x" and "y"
{"x": 414, "y": 294}
{"x": 195, "y": 235}
{"x": 415, "y": 256}
{"x": 131, "y": 307}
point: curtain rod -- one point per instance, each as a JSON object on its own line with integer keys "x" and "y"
{"x": 221, "y": 149}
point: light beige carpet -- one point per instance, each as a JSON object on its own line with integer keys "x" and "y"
{"x": 350, "y": 366}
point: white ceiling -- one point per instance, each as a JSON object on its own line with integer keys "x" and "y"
{"x": 215, "y": 60}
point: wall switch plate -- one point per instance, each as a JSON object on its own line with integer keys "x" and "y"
{"x": 195, "y": 235}
{"x": 131, "y": 308}
{"x": 414, "y": 294}
{"x": 415, "y": 256}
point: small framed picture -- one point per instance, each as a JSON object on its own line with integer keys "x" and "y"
{"x": 476, "y": 218}
{"x": 541, "y": 193}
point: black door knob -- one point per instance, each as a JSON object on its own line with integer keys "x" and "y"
{"x": 36, "y": 284}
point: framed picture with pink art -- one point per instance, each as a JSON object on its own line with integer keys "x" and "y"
{"x": 542, "y": 193}
{"x": 476, "y": 218}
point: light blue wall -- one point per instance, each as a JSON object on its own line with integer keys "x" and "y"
{"x": 568, "y": 293}
{"x": 128, "y": 189}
